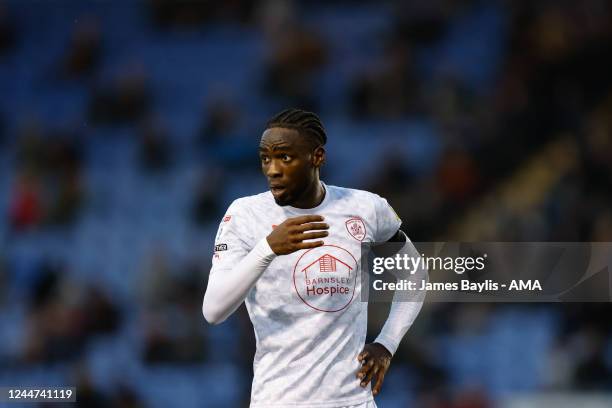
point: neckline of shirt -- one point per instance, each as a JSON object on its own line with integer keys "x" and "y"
{"x": 313, "y": 209}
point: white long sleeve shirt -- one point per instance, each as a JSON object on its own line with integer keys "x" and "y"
{"x": 306, "y": 307}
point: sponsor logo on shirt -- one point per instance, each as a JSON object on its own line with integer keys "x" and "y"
{"x": 356, "y": 228}
{"x": 227, "y": 218}
{"x": 324, "y": 278}
{"x": 220, "y": 247}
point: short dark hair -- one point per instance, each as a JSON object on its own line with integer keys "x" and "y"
{"x": 306, "y": 123}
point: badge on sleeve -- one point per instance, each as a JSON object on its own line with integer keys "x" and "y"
{"x": 224, "y": 222}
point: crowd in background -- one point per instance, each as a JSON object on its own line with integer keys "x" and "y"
{"x": 127, "y": 128}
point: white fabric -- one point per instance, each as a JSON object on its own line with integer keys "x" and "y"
{"x": 403, "y": 310}
{"x": 369, "y": 404}
{"x": 306, "y": 308}
{"x": 224, "y": 296}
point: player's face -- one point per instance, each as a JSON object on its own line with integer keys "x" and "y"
{"x": 289, "y": 162}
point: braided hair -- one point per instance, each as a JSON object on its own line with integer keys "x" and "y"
{"x": 306, "y": 123}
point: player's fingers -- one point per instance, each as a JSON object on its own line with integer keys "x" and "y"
{"x": 363, "y": 371}
{"x": 312, "y": 226}
{"x": 365, "y": 368}
{"x": 308, "y": 245}
{"x": 380, "y": 377}
{"x": 363, "y": 355}
{"x": 369, "y": 376}
{"x": 310, "y": 235}
{"x": 304, "y": 219}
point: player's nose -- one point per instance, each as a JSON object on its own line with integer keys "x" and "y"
{"x": 273, "y": 170}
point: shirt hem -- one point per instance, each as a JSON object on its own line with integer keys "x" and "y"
{"x": 317, "y": 404}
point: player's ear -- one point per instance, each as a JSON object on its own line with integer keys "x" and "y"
{"x": 318, "y": 156}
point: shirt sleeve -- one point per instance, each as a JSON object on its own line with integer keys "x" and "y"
{"x": 404, "y": 310}
{"x": 387, "y": 220}
{"x": 237, "y": 265}
{"x": 233, "y": 240}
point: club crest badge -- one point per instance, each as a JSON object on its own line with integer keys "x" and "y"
{"x": 356, "y": 228}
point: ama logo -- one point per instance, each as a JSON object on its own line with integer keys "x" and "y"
{"x": 325, "y": 277}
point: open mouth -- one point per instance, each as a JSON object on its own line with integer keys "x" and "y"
{"x": 277, "y": 190}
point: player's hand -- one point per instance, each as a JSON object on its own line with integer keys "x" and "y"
{"x": 375, "y": 360}
{"x": 289, "y": 236}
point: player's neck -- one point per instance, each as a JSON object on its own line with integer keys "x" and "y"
{"x": 312, "y": 197}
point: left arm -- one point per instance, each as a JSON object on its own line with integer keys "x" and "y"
{"x": 376, "y": 357}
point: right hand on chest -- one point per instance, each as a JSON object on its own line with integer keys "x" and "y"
{"x": 290, "y": 236}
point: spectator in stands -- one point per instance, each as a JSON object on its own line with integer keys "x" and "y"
{"x": 84, "y": 50}
{"x": 391, "y": 90}
{"x": 155, "y": 148}
{"x": 219, "y": 121}
{"x": 593, "y": 373}
{"x": 125, "y": 100}
{"x": 26, "y": 208}
{"x": 298, "y": 55}
{"x": 207, "y": 207}
{"x": 64, "y": 316}
{"x": 48, "y": 190}
{"x": 172, "y": 331}
{"x": 63, "y": 176}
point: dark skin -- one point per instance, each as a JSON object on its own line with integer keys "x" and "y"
{"x": 375, "y": 360}
{"x": 291, "y": 162}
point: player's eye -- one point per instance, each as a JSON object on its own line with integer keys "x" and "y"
{"x": 265, "y": 159}
{"x": 286, "y": 158}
